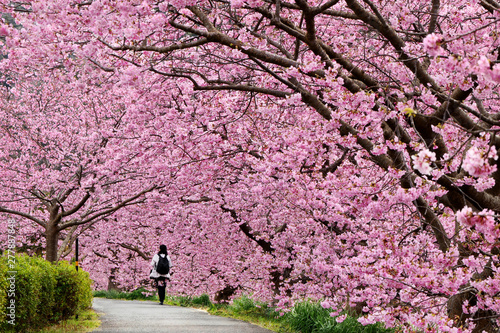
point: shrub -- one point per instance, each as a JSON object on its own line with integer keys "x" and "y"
{"x": 140, "y": 293}
{"x": 183, "y": 300}
{"x": 72, "y": 291}
{"x": 101, "y": 293}
{"x": 111, "y": 294}
{"x": 311, "y": 317}
{"x": 203, "y": 300}
{"x": 243, "y": 304}
{"x": 307, "y": 317}
{"x": 44, "y": 293}
{"x": 4, "y": 286}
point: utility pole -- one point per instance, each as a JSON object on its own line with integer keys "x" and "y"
{"x": 76, "y": 260}
{"x": 76, "y": 253}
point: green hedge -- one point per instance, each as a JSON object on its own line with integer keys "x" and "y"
{"x": 45, "y": 293}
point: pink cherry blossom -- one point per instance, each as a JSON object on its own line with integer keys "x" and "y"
{"x": 432, "y": 44}
{"x": 422, "y": 161}
{"x": 326, "y": 304}
{"x": 465, "y": 216}
{"x": 476, "y": 163}
{"x": 4, "y": 31}
{"x": 341, "y": 318}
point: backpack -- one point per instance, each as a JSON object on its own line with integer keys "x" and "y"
{"x": 162, "y": 267}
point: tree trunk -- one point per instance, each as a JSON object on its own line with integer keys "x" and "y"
{"x": 51, "y": 236}
{"x": 223, "y": 296}
{"x": 52, "y": 232}
{"x": 483, "y": 319}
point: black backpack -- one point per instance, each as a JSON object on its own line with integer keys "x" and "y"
{"x": 163, "y": 266}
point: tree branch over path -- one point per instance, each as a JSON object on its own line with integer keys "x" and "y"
{"x": 28, "y": 216}
{"x": 311, "y": 99}
{"x": 247, "y": 230}
{"x": 107, "y": 212}
{"x": 163, "y": 50}
{"x": 398, "y": 44}
{"x": 136, "y": 250}
{"x": 377, "y": 21}
{"x": 76, "y": 208}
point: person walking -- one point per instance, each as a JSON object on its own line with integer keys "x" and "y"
{"x": 160, "y": 271}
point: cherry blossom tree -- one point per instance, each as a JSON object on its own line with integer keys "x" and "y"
{"x": 347, "y": 146}
{"x": 62, "y": 169}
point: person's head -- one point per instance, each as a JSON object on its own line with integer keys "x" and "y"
{"x": 163, "y": 249}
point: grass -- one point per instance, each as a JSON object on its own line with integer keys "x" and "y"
{"x": 257, "y": 313}
{"x": 87, "y": 321}
{"x": 139, "y": 294}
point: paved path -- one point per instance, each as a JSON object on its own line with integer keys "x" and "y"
{"x": 150, "y": 317}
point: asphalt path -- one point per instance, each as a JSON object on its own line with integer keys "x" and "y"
{"x": 150, "y": 317}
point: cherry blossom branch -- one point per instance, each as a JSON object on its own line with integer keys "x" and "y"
{"x": 274, "y": 43}
{"x": 335, "y": 165}
{"x": 77, "y": 207}
{"x": 408, "y": 181}
{"x": 29, "y": 217}
{"x": 490, "y": 5}
{"x": 296, "y": 32}
{"x": 107, "y": 212}
{"x": 432, "y": 220}
{"x": 324, "y": 7}
{"x": 247, "y": 230}
{"x": 286, "y": 82}
{"x": 472, "y": 31}
{"x": 65, "y": 247}
{"x": 144, "y": 47}
{"x": 213, "y": 35}
{"x": 136, "y": 250}
{"x": 68, "y": 192}
{"x": 396, "y": 42}
{"x": 248, "y": 88}
{"x": 106, "y": 69}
